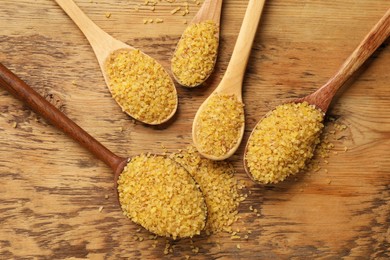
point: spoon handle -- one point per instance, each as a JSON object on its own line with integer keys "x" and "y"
{"x": 237, "y": 64}
{"x": 100, "y": 41}
{"x": 377, "y": 35}
{"x": 36, "y": 102}
{"x": 210, "y": 10}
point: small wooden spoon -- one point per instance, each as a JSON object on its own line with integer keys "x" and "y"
{"x": 103, "y": 45}
{"x": 322, "y": 97}
{"x": 40, "y": 105}
{"x": 231, "y": 83}
{"x": 209, "y": 11}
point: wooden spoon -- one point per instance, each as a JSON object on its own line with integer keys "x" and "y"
{"x": 231, "y": 83}
{"x": 40, "y": 105}
{"x": 104, "y": 45}
{"x": 209, "y": 11}
{"x": 324, "y": 95}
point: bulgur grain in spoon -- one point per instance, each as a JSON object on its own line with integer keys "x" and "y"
{"x": 137, "y": 82}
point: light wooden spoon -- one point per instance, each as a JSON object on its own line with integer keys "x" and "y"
{"x": 104, "y": 45}
{"x": 209, "y": 11}
{"x": 18, "y": 88}
{"x": 231, "y": 83}
{"x": 322, "y": 97}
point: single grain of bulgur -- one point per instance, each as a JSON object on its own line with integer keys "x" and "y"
{"x": 160, "y": 195}
{"x": 195, "y": 54}
{"x": 141, "y": 86}
{"x": 283, "y": 142}
{"x": 219, "y": 125}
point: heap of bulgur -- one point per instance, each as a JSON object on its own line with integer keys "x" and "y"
{"x": 283, "y": 141}
{"x": 195, "y": 54}
{"x": 219, "y": 125}
{"x": 219, "y": 187}
{"x": 141, "y": 86}
{"x": 159, "y": 194}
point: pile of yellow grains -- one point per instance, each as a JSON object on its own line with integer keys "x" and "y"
{"x": 195, "y": 54}
{"x": 283, "y": 141}
{"x": 219, "y": 187}
{"x": 219, "y": 125}
{"x": 141, "y": 86}
{"x": 159, "y": 194}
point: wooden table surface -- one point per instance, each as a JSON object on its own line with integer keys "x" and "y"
{"x": 51, "y": 189}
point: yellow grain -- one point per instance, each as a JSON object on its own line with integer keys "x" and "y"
{"x": 160, "y": 195}
{"x": 219, "y": 187}
{"x": 195, "y": 54}
{"x": 219, "y": 125}
{"x": 141, "y": 86}
{"x": 283, "y": 142}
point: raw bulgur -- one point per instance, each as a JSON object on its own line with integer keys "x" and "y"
{"x": 159, "y": 194}
{"x": 219, "y": 187}
{"x": 219, "y": 125}
{"x": 195, "y": 54}
{"x": 141, "y": 86}
{"x": 283, "y": 142}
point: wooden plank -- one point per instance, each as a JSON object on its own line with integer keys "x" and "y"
{"x": 51, "y": 189}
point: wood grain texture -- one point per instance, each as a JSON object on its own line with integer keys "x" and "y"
{"x": 51, "y": 188}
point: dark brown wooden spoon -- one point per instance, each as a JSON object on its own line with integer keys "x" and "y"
{"x": 325, "y": 94}
{"x": 40, "y": 105}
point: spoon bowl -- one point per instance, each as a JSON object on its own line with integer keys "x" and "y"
{"x": 231, "y": 83}
{"x": 172, "y": 185}
{"x": 322, "y": 98}
{"x": 207, "y": 20}
{"x": 105, "y": 47}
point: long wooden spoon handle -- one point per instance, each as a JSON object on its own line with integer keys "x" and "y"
{"x": 238, "y": 61}
{"x": 100, "y": 41}
{"x": 377, "y": 35}
{"x": 36, "y": 102}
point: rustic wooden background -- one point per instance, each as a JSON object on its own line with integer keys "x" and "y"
{"x": 51, "y": 189}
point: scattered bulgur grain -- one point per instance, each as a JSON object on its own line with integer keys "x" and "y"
{"x": 219, "y": 125}
{"x": 108, "y": 15}
{"x": 175, "y": 10}
{"x": 283, "y": 142}
{"x": 219, "y": 187}
{"x": 14, "y": 124}
{"x": 141, "y": 86}
{"x": 160, "y": 195}
{"x": 238, "y": 246}
{"x": 106, "y": 196}
{"x": 195, "y": 54}
{"x": 195, "y": 250}
{"x": 100, "y": 208}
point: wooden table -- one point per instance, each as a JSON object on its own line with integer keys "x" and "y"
{"x": 51, "y": 189}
